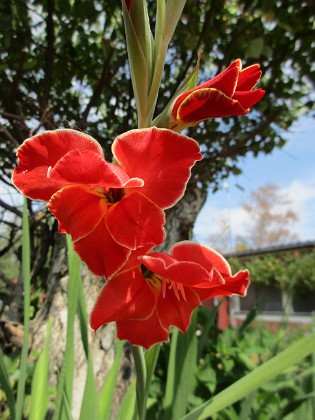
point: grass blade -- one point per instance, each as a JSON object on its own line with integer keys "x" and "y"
{"x": 89, "y": 406}
{"x": 107, "y": 392}
{"x": 126, "y": 410}
{"x": 181, "y": 371}
{"x": 40, "y": 388}
{"x": 26, "y": 270}
{"x": 64, "y": 390}
{"x": 6, "y": 386}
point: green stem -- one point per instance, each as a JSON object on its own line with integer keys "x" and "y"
{"x": 141, "y": 380}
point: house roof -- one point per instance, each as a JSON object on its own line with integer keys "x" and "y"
{"x": 297, "y": 246}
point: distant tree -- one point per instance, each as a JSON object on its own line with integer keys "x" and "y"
{"x": 270, "y": 219}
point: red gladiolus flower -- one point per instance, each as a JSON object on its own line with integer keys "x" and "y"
{"x": 161, "y": 290}
{"x": 228, "y": 94}
{"x": 109, "y": 210}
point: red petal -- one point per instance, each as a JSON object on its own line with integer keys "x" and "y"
{"x": 142, "y": 333}
{"x": 87, "y": 167}
{"x": 78, "y": 210}
{"x": 234, "y": 285}
{"x": 135, "y": 221}
{"x": 34, "y": 182}
{"x": 207, "y": 103}
{"x": 126, "y": 296}
{"x": 162, "y": 158}
{"x": 37, "y": 154}
{"x": 133, "y": 259}
{"x": 206, "y": 257}
{"x": 172, "y": 311}
{"x": 183, "y": 272}
{"x": 225, "y": 81}
{"x": 101, "y": 253}
{"x": 248, "y": 99}
{"x": 249, "y": 77}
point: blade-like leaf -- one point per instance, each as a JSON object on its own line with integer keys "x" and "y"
{"x": 107, "y": 392}
{"x": 26, "y": 269}
{"x": 6, "y": 386}
{"x": 64, "y": 390}
{"x": 181, "y": 371}
{"x": 126, "y": 410}
{"x": 40, "y": 389}
{"x": 255, "y": 379}
{"x": 89, "y": 406}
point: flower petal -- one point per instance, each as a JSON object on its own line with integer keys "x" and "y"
{"x": 250, "y": 98}
{"x": 172, "y": 311}
{"x": 162, "y": 158}
{"x": 207, "y": 103}
{"x": 249, "y": 77}
{"x": 78, "y": 210}
{"x": 206, "y": 257}
{"x": 234, "y": 285}
{"x": 41, "y": 152}
{"x": 183, "y": 272}
{"x": 142, "y": 333}
{"x": 126, "y": 296}
{"x": 101, "y": 253}
{"x": 133, "y": 259}
{"x": 227, "y": 80}
{"x": 136, "y": 221}
{"x": 87, "y": 167}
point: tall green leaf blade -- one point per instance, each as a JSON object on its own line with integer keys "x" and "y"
{"x": 26, "y": 269}
{"x": 258, "y": 377}
{"x": 64, "y": 390}
{"x": 6, "y": 386}
{"x": 40, "y": 388}
{"x": 89, "y": 406}
{"x": 107, "y": 392}
{"x": 181, "y": 371}
{"x": 126, "y": 410}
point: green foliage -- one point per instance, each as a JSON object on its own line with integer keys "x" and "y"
{"x": 228, "y": 356}
{"x": 293, "y": 272}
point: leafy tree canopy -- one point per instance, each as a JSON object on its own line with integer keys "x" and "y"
{"x": 64, "y": 63}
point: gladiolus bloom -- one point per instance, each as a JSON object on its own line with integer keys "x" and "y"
{"x": 230, "y": 93}
{"x": 161, "y": 290}
{"x": 109, "y": 210}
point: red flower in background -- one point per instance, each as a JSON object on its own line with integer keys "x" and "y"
{"x": 161, "y": 290}
{"x": 228, "y": 94}
{"x": 109, "y": 210}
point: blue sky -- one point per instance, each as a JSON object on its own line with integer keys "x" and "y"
{"x": 292, "y": 168}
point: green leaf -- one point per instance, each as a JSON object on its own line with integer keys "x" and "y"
{"x": 6, "y": 386}
{"x": 126, "y": 409}
{"x": 107, "y": 392}
{"x": 40, "y": 389}
{"x": 64, "y": 390}
{"x": 181, "y": 371}
{"x": 255, "y": 379}
{"x": 89, "y": 406}
{"x": 26, "y": 269}
{"x": 139, "y": 68}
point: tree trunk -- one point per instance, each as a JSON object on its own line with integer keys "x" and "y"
{"x": 181, "y": 218}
